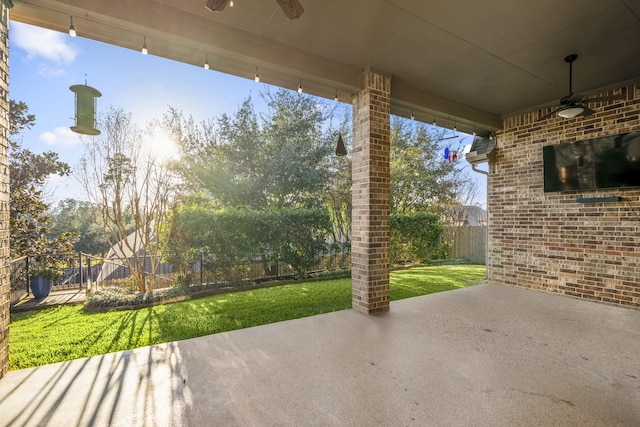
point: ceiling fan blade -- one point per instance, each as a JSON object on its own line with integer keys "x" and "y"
{"x": 553, "y": 112}
{"x": 604, "y": 98}
{"x": 291, "y": 8}
{"x": 587, "y": 111}
{"x": 216, "y": 5}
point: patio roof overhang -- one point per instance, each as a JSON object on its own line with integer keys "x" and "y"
{"x": 459, "y": 62}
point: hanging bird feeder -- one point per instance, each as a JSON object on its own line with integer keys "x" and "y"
{"x": 85, "y": 109}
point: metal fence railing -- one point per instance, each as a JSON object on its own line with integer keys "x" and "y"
{"x": 82, "y": 271}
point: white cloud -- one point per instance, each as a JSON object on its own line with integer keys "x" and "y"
{"x": 50, "y": 72}
{"x": 61, "y": 137}
{"x": 42, "y": 43}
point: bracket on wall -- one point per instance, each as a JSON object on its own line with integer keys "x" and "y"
{"x": 598, "y": 199}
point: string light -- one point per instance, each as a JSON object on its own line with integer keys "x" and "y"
{"x": 231, "y": 3}
{"x": 257, "y": 77}
{"x": 412, "y": 116}
{"x": 144, "y": 47}
{"x": 335, "y": 98}
{"x": 300, "y": 87}
{"x": 206, "y": 61}
{"x": 72, "y": 29}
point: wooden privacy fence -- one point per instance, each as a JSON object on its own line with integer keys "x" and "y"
{"x": 470, "y": 242}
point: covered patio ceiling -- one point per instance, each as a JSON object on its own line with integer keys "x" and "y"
{"x": 461, "y": 62}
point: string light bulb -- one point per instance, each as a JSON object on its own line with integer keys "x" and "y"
{"x": 72, "y": 29}
{"x": 335, "y": 98}
{"x": 257, "y": 77}
{"x": 206, "y": 61}
{"x": 144, "y": 47}
{"x": 300, "y": 87}
{"x": 231, "y": 3}
{"x": 412, "y": 116}
{"x": 434, "y": 122}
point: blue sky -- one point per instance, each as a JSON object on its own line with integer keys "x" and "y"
{"x": 43, "y": 64}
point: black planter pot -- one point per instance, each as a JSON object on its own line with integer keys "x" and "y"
{"x": 40, "y": 286}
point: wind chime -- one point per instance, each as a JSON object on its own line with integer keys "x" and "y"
{"x": 85, "y": 109}
{"x": 450, "y": 155}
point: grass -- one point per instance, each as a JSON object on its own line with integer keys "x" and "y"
{"x": 69, "y": 332}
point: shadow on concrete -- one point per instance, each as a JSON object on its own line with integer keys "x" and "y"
{"x": 484, "y": 356}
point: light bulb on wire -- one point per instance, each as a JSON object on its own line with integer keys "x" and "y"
{"x": 72, "y": 29}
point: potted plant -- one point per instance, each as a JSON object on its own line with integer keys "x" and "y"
{"x": 42, "y": 278}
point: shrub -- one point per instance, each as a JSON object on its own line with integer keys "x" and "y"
{"x": 415, "y": 236}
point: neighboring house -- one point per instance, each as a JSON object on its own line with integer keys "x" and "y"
{"x": 460, "y": 216}
{"x": 115, "y": 265}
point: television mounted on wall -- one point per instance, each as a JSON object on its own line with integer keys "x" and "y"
{"x": 593, "y": 164}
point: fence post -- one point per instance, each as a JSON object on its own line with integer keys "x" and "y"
{"x": 27, "y": 275}
{"x": 80, "y": 275}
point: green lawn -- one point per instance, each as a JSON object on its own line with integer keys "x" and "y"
{"x": 69, "y": 332}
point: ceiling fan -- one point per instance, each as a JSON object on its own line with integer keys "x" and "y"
{"x": 291, "y": 8}
{"x": 573, "y": 106}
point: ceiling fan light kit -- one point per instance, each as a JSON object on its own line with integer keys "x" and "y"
{"x": 571, "y": 112}
{"x": 572, "y": 106}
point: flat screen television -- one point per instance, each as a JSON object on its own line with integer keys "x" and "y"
{"x": 599, "y": 163}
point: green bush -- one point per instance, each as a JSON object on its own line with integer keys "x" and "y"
{"x": 415, "y": 236}
{"x": 227, "y": 239}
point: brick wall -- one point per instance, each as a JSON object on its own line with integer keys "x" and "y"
{"x": 370, "y": 192}
{"x": 548, "y": 241}
{"x": 4, "y": 188}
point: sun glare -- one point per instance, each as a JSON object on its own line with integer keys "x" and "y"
{"x": 162, "y": 147}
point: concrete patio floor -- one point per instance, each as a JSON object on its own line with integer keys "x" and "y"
{"x": 481, "y": 356}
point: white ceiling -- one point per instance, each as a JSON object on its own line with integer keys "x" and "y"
{"x": 466, "y": 62}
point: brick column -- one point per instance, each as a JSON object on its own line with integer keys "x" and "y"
{"x": 4, "y": 186}
{"x": 370, "y": 192}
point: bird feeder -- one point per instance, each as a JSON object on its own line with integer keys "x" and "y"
{"x": 85, "y": 109}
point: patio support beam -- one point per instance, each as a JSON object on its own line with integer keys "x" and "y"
{"x": 5, "y": 286}
{"x": 370, "y": 193}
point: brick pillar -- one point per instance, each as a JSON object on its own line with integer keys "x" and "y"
{"x": 4, "y": 186}
{"x": 370, "y": 192}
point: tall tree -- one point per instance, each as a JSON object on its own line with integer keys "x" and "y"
{"x": 296, "y": 150}
{"x": 278, "y": 160}
{"x": 421, "y": 180}
{"x": 126, "y": 180}
{"x": 29, "y": 219}
{"x": 83, "y": 218}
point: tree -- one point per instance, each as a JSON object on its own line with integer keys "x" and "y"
{"x": 29, "y": 219}
{"x": 296, "y": 150}
{"x": 421, "y": 180}
{"x": 82, "y": 217}
{"x": 338, "y": 194}
{"x": 129, "y": 184}
{"x": 280, "y": 160}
